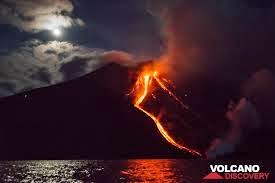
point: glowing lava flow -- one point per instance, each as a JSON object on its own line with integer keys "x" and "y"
{"x": 141, "y": 90}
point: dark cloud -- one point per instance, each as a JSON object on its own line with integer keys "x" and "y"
{"x": 62, "y": 55}
{"x": 35, "y": 16}
{"x": 75, "y": 68}
{"x": 7, "y": 88}
{"x": 50, "y": 52}
{"x": 42, "y": 74}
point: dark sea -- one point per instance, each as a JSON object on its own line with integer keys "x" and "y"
{"x": 78, "y": 171}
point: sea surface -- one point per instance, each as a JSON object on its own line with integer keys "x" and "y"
{"x": 82, "y": 171}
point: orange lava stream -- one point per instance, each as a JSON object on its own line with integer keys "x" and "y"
{"x": 145, "y": 81}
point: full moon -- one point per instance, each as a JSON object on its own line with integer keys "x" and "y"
{"x": 56, "y": 32}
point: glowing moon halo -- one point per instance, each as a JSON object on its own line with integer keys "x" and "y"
{"x": 56, "y": 32}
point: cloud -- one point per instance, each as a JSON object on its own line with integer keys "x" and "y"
{"x": 75, "y": 67}
{"x": 36, "y": 64}
{"x": 216, "y": 37}
{"x": 35, "y": 16}
{"x": 7, "y": 88}
{"x": 119, "y": 57}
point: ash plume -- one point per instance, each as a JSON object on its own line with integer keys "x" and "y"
{"x": 226, "y": 41}
{"x": 217, "y": 38}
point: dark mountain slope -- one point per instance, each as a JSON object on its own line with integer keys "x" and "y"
{"x": 88, "y": 117}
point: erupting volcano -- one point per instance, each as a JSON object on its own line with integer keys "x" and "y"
{"x": 147, "y": 82}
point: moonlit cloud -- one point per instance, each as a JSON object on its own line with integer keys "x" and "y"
{"x": 36, "y": 64}
{"x": 35, "y": 16}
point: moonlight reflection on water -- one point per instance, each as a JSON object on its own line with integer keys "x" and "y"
{"x": 96, "y": 171}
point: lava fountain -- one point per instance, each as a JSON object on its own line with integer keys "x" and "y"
{"x": 144, "y": 87}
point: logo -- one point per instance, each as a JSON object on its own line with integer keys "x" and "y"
{"x": 236, "y": 172}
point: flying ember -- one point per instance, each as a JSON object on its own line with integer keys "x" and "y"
{"x": 143, "y": 88}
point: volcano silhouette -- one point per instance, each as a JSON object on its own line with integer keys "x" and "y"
{"x": 88, "y": 117}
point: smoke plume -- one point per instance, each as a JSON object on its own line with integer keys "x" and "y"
{"x": 225, "y": 39}
{"x": 248, "y": 114}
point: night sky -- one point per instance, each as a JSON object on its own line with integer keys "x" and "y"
{"x": 227, "y": 37}
{"x": 93, "y": 33}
